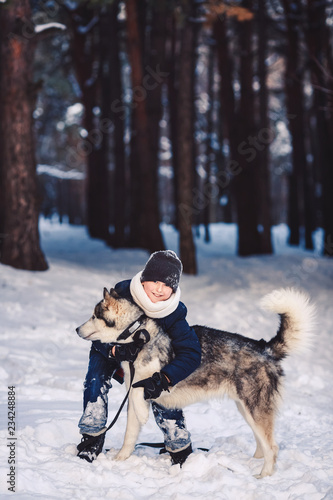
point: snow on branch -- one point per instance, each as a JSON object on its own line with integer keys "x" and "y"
{"x": 42, "y": 31}
{"x": 40, "y": 28}
{"x": 59, "y": 173}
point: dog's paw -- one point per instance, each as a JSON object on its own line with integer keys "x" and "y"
{"x": 122, "y": 455}
{"x": 263, "y": 474}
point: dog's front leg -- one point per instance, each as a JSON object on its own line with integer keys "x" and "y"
{"x": 133, "y": 426}
{"x": 141, "y": 406}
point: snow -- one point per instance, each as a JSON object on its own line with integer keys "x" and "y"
{"x": 46, "y": 361}
{"x": 60, "y": 173}
{"x": 74, "y": 113}
{"x": 43, "y": 27}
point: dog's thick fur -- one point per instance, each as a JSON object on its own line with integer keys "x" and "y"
{"x": 246, "y": 370}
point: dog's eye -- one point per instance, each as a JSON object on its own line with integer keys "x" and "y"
{"x": 93, "y": 316}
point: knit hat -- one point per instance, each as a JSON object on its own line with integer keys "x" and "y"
{"x": 163, "y": 266}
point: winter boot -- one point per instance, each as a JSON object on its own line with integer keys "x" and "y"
{"x": 179, "y": 457}
{"x": 90, "y": 446}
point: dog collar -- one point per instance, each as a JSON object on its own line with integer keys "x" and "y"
{"x": 133, "y": 327}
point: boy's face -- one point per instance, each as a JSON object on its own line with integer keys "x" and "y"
{"x": 157, "y": 290}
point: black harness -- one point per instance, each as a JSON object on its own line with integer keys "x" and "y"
{"x": 133, "y": 327}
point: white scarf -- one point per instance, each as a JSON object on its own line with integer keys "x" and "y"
{"x": 153, "y": 309}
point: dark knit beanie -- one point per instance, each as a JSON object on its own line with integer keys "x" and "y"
{"x": 163, "y": 266}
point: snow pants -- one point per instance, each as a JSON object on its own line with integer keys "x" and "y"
{"x": 95, "y": 403}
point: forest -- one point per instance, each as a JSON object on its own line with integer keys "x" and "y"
{"x": 123, "y": 115}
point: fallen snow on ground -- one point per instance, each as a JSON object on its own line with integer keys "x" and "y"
{"x": 46, "y": 361}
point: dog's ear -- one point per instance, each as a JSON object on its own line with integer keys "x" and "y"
{"x": 106, "y": 294}
{"x": 110, "y": 296}
{"x": 114, "y": 294}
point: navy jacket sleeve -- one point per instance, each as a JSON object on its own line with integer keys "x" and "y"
{"x": 184, "y": 340}
{"x": 123, "y": 289}
{"x": 185, "y": 344}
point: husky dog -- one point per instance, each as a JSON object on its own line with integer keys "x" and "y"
{"x": 248, "y": 371}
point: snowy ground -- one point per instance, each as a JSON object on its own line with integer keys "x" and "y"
{"x": 46, "y": 361}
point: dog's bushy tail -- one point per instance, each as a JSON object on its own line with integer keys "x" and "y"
{"x": 297, "y": 321}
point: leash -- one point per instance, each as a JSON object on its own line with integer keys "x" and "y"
{"x": 151, "y": 445}
{"x": 91, "y": 439}
{"x": 162, "y": 447}
{"x": 132, "y": 372}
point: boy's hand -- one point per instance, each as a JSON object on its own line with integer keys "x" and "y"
{"x": 154, "y": 385}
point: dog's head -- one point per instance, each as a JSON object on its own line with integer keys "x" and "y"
{"x": 111, "y": 316}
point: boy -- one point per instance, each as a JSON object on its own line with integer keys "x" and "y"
{"x": 156, "y": 291}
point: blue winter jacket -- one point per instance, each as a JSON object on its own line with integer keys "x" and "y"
{"x": 184, "y": 340}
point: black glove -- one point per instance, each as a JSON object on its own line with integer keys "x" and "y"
{"x": 127, "y": 352}
{"x": 154, "y": 385}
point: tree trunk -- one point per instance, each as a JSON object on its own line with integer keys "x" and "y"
{"x": 263, "y": 155}
{"x": 209, "y": 142}
{"x": 245, "y": 183}
{"x": 328, "y": 173}
{"x": 156, "y": 60}
{"x": 185, "y": 149}
{"x": 21, "y": 245}
{"x": 172, "y": 56}
{"x": 150, "y": 234}
{"x": 319, "y": 48}
{"x": 136, "y": 208}
{"x": 85, "y": 49}
{"x": 103, "y": 134}
{"x": 227, "y": 114}
{"x": 120, "y": 189}
{"x": 111, "y": 94}
{"x": 227, "y": 96}
{"x": 295, "y": 112}
{"x": 2, "y": 206}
